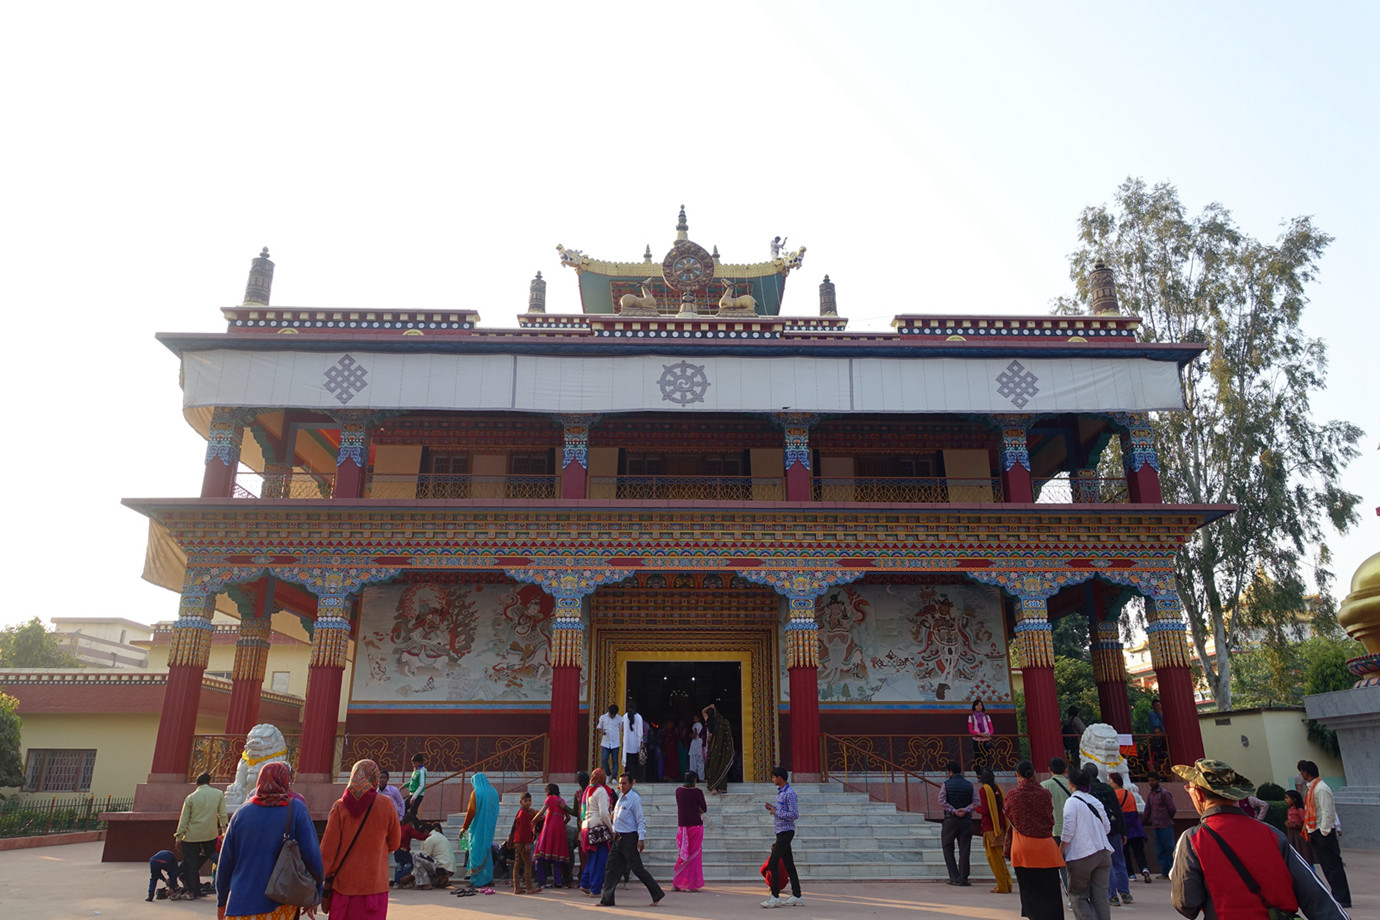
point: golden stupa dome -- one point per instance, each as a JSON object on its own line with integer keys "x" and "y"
{"x": 1360, "y": 613}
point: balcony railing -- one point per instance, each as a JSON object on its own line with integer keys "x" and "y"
{"x": 689, "y": 488}
{"x": 455, "y": 485}
{"x": 1066, "y": 490}
{"x": 219, "y": 755}
{"x": 295, "y": 484}
{"x": 906, "y": 490}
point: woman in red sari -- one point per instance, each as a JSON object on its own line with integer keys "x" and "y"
{"x": 690, "y": 809}
{"x": 1030, "y": 809}
{"x": 552, "y": 850}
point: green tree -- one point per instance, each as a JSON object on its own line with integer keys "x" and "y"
{"x": 1248, "y": 437}
{"x": 32, "y": 646}
{"x": 11, "y": 765}
{"x": 1326, "y": 668}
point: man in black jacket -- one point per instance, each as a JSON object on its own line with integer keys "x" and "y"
{"x": 957, "y": 799}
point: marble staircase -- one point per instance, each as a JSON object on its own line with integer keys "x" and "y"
{"x": 840, "y": 835}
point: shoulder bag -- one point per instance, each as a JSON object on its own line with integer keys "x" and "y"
{"x": 330, "y": 879}
{"x": 290, "y": 882}
{"x": 1274, "y": 913}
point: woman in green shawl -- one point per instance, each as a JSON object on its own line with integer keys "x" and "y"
{"x": 480, "y": 821}
{"x": 719, "y": 749}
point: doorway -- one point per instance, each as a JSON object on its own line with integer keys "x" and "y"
{"x": 679, "y": 690}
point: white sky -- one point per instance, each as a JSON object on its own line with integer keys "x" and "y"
{"x": 932, "y": 156}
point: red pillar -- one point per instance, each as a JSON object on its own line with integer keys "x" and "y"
{"x": 1109, "y": 671}
{"x": 247, "y": 679}
{"x": 1144, "y": 486}
{"x": 353, "y": 457}
{"x": 321, "y": 716}
{"x": 187, "y": 656}
{"x": 573, "y": 480}
{"x": 1180, "y": 714}
{"x": 565, "y": 719}
{"x": 349, "y": 480}
{"x": 1042, "y": 716}
{"x": 804, "y": 720}
{"x": 797, "y": 490}
{"x": 1014, "y": 459}
{"x": 1116, "y": 705}
{"x": 222, "y": 453}
{"x": 320, "y": 719}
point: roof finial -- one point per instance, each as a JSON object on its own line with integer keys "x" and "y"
{"x": 682, "y": 228}
{"x": 536, "y": 295}
{"x": 1102, "y": 290}
{"x": 716, "y": 252}
{"x": 828, "y": 298}
{"x": 647, "y": 255}
{"x": 260, "y": 284}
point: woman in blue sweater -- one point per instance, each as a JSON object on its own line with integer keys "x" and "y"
{"x": 251, "y": 848}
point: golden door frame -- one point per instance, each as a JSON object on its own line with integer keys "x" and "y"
{"x": 754, "y": 648}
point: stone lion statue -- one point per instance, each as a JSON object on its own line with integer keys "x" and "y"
{"x": 264, "y": 744}
{"x": 1099, "y": 746}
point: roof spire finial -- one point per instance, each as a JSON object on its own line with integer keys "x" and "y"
{"x": 1102, "y": 290}
{"x": 260, "y": 284}
{"x": 647, "y": 255}
{"x": 682, "y": 228}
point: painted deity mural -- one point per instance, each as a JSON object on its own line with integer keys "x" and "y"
{"x": 431, "y": 642}
{"x": 911, "y": 643}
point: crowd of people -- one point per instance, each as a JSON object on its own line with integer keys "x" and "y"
{"x": 1076, "y": 840}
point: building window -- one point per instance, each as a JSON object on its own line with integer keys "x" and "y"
{"x": 223, "y": 675}
{"x": 530, "y": 464}
{"x": 280, "y": 681}
{"x": 57, "y": 770}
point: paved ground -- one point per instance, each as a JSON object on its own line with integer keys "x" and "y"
{"x": 58, "y": 883}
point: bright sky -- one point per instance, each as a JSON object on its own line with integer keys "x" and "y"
{"x": 932, "y": 156}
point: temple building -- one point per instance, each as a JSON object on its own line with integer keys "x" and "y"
{"x": 681, "y": 495}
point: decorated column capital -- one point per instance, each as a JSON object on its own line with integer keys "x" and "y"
{"x": 1164, "y": 614}
{"x": 1015, "y": 448}
{"x": 251, "y": 649}
{"x": 191, "y": 632}
{"x": 1108, "y": 660}
{"x": 796, "y": 427}
{"x": 569, "y": 588}
{"x": 333, "y": 582}
{"x": 1034, "y": 636}
{"x": 802, "y": 588}
{"x": 355, "y": 427}
{"x": 1140, "y": 449}
{"x": 226, "y": 433}
{"x": 575, "y": 429}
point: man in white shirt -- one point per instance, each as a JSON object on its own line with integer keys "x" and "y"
{"x": 634, "y": 731}
{"x": 1320, "y": 821}
{"x": 1086, "y": 850}
{"x": 435, "y": 864}
{"x": 610, "y": 737}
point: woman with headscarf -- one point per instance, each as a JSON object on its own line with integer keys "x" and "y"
{"x": 360, "y": 833}
{"x": 1030, "y": 809}
{"x": 719, "y": 749}
{"x": 989, "y": 808}
{"x": 481, "y": 819}
{"x": 250, "y": 848}
{"x": 596, "y": 833}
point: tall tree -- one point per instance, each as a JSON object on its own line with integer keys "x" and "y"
{"x": 32, "y": 646}
{"x": 11, "y": 765}
{"x": 1248, "y": 437}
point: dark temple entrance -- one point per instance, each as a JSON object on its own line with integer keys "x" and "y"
{"x": 677, "y": 691}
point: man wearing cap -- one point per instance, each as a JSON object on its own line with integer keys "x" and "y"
{"x": 1231, "y": 865}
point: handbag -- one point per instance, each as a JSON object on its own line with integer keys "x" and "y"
{"x": 1007, "y": 839}
{"x": 330, "y": 879}
{"x": 598, "y": 834}
{"x": 291, "y": 882}
{"x": 1274, "y": 913}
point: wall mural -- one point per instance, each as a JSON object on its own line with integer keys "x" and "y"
{"x": 454, "y": 643}
{"x": 910, "y": 643}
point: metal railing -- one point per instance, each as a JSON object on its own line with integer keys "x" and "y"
{"x": 512, "y": 764}
{"x": 1075, "y": 490}
{"x": 219, "y": 755}
{"x": 33, "y": 816}
{"x": 862, "y": 769}
{"x": 689, "y": 488}
{"x": 1151, "y": 755}
{"x": 906, "y": 490}
{"x": 922, "y": 754}
{"x": 298, "y": 483}
{"x": 468, "y": 485}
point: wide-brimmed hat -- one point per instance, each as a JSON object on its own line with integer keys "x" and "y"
{"x": 1216, "y": 777}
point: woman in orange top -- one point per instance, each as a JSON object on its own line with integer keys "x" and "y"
{"x": 360, "y": 833}
{"x": 1030, "y": 808}
{"x": 989, "y": 807}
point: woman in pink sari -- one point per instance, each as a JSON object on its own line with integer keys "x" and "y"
{"x": 690, "y": 809}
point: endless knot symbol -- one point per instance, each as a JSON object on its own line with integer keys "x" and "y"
{"x": 1017, "y": 384}
{"x": 683, "y": 383}
{"x": 345, "y": 378}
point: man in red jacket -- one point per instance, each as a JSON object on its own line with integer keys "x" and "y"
{"x": 1233, "y": 867}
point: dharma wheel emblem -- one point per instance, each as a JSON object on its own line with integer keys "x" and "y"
{"x": 687, "y": 267}
{"x": 683, "y": 383}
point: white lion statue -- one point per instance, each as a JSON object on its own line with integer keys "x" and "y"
{"x": 1099, "y": 746}
{"x": 264, "y": 744}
